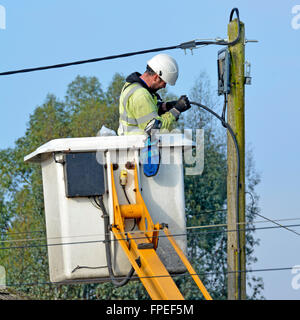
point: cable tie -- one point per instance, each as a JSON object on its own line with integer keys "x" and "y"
{"x": 188, "y": 45}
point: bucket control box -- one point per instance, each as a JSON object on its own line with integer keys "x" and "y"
{"x": 84, "y": 175}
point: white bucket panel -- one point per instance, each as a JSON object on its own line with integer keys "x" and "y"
{"x": 75, "y": 228}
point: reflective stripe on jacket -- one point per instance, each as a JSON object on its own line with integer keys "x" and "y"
{"x": 137, "y": 107}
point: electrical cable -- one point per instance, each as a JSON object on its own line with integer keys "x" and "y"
{"x": 185, "y": 45}
{"x": 67, "y": 64}
{"x": 228, "y": 127}
{"x": 108, "y": 249}
{"x": 95, "y": 204}
{"x": 224, "y": 110}
{"x": 87, "y": 267}
{"x": 24, "y": 232}
{"x": 268, "y": 219}
{"x": 221, "y": 41}
{"x": 107, "y": 241}
{"x": 92, "y": 235}
{"x": 160, "y": 236}
{"x": 80, "y": 281}
{"x": 187, "y": 228}
{"x": 125, "y": 193}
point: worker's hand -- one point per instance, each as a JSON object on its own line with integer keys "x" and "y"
{"x": 166, "y": 106}
{"x": 170, "y": 105}
{"x": 182, "y": 104}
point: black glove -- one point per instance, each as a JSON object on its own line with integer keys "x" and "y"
{"x": 170, "y": 105}
{"x": 182, "y": 104}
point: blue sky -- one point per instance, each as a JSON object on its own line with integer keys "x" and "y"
{"x": 48, "y": 32}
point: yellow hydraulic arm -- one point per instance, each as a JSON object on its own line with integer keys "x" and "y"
{"x": 140, "y": 247}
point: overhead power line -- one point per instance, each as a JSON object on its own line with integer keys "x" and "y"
{"x": 268, "y": 219}
{"x": 191, "y": 227}
{"x": 200, "y": 274}
{"x": 132, "y": 231}
{"x": 193, "y": 233}
{"x": 185, "y": 45}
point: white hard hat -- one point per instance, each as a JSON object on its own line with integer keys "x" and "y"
{"x": 166, "y": 67}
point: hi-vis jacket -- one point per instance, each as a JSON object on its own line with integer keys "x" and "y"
{"x": 138, "y": 106}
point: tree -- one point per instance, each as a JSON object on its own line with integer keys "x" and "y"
{"x": 81, "y": 90}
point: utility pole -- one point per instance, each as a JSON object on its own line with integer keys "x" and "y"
{"x": 236, "y": 241}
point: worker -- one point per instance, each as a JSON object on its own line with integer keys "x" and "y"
{"x": 140, "y": 102}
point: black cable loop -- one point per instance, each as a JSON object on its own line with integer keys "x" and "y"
{"x": 225, "y": 43}
{"x": 234, "y": 10}
{"x": 228, "y": 127}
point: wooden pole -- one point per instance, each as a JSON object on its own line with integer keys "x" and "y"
{"x": 236, "y": 255}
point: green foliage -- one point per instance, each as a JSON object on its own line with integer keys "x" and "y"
{"x": 113, "y": 92}
{"x": 82, "y": 113}
{"x": 81, "y": 90}
{"x": 85, "y": 108}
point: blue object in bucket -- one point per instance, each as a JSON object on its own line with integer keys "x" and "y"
{"x": 150, "y": 158}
